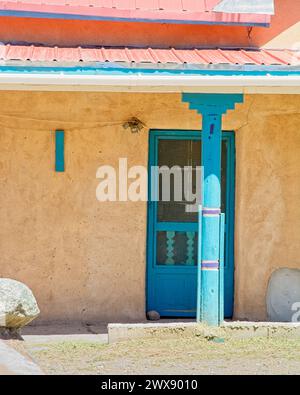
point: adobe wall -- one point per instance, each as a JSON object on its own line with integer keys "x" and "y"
{"x": 85, "y": 260}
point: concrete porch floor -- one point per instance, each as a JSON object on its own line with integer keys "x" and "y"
{"x": 60, "y": 332}
{"x": 114, "y": 332}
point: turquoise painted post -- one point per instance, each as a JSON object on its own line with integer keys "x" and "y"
{"x": 212, "y": 107}
{"x": 211, "y": 162}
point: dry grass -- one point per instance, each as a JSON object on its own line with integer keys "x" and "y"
{"x": 171, "y": 355}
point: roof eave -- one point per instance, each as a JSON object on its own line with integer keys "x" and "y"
{"x": 209, "y": 19}
{"x": 279, "y": 84}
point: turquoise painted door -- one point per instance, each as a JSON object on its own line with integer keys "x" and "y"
{"x": 173, "y": 230}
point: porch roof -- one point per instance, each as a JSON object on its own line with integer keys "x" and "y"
{"x": 171, "y": 11}
{"x": 30, "y": 67}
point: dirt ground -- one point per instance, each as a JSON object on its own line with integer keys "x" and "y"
{"x": 168, "y": 355}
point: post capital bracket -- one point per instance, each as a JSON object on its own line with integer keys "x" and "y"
{"x": 212, "y": 103}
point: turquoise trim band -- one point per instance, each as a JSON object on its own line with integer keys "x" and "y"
{"x": 112, "y": 69}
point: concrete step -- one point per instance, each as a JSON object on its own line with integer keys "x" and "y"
{"x": 236, "y": 329}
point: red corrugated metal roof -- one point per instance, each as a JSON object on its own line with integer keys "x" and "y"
{"x": 152, "y": 10}
{"x": 150, "y": 55}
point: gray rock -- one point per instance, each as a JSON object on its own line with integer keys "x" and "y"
{"x": 153, "y": 315}
{"x": 283, "y": 296}
{"x": 18, "y": 306}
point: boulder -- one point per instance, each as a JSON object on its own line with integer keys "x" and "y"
{"x": 18, "y": 306}
{"x": 283, "y": 295}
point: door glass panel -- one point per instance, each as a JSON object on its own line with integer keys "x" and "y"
{"x": 180, "y": 248}
{"x": 177, "y": 153}
{"x": 183, "y": 153}
{"x": 177, "y": 248}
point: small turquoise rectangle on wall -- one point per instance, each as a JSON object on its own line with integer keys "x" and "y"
{"x": 59, "y": 150}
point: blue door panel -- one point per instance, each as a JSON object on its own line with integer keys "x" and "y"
{"x": 174, "y": 293}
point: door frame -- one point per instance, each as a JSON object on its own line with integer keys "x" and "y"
{"x": 229, "y": 136}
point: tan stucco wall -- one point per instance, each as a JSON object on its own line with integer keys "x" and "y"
{"x": 85, "y": 260}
